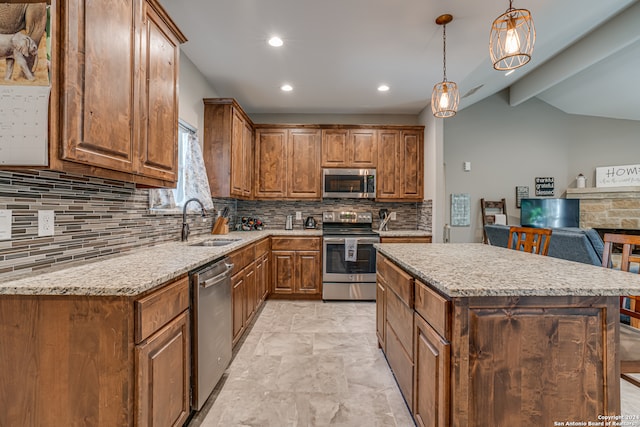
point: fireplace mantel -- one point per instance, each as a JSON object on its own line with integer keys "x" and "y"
{"x": 608, "y": 207}
{"x": 604, "y": 193}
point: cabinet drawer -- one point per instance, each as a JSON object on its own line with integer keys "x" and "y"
{"x": 160, "y": 307}
{"x": 434, "y": 308}
{"x": 262, "y": 247}
{"x": 243, "y": 257}
{"x": 295, "y": 243}
{"x": 396, "y": 279}
{"x": 405, "y": 239}
{"x": 401, "y": 365}
{"x": 400, "y": 317}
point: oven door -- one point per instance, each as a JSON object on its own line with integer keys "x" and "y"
{"x": 336, "y": 269}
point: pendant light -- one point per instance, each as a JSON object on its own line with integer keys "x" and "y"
{"x": 512, "y": 39}
{"x": 445, "y": 96}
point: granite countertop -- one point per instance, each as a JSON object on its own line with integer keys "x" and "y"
{"x": 132, "y": 273}
{"x": 404, "y": 233}
{"x": 475, "y": 269}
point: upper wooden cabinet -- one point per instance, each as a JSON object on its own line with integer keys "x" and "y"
{"x": 158, "y": 142}
{"x": 303, "y": 164}
{"x": 115, "y": 77}
{"x": 228, "y": 148}
{"x": 400, "y": 165}
{"x": 287, "y": 163}
{"x": 271, "y": 163}
{"x": 349, "y": 148}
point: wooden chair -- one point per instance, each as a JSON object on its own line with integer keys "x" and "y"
{"x": 629, "y": 305}
{"x": 528, "y": 239}
{"x": 489, "y": 210}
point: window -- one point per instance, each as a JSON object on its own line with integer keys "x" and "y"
{"x": 192, "y": 176}
{"x": 185, "y": 131}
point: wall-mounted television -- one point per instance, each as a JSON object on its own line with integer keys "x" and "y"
{"x": 549, "y": 213}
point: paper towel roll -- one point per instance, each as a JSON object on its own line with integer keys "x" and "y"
{"x": 501, "y": 219}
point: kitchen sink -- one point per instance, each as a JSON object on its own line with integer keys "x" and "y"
{"x": 215, "y": 242}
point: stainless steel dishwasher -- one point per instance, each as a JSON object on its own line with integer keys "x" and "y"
{"x": 211, "y": 328}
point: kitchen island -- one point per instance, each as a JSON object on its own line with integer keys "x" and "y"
{"x": 479, "y": 335}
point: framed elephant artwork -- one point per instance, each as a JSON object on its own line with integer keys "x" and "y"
{"x": 24, "y": 44}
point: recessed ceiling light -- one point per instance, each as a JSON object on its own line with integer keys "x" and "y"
{"x": 383, "y": 88}
{"x": 275, "y": 41}
{"x": 286, "y": 88}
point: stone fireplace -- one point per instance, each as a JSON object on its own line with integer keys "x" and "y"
{"x": 610, "y": 208}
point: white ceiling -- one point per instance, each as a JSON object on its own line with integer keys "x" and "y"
{"x": 337, "y": 52}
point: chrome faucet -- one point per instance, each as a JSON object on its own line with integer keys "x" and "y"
{"x": 185, "y": 226}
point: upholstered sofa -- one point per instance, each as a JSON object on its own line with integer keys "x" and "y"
{"x": 574, "y": 244}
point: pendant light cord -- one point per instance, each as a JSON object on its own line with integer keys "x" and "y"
{"x": 444, "y": 52}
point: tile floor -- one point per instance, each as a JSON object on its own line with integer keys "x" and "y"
{"x": 309, "y": 363}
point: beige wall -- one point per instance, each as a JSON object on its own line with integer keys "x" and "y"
{"x": 510, "y": 146}
{"x": 193, "y": 88}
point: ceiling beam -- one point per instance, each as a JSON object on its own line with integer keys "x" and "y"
{"x": 611, "y": 37}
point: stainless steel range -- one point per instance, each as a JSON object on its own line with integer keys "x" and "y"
{"x": 349, "y": 258}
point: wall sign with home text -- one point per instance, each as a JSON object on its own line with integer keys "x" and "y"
{"x": 545, "y": 186}
{"x": 618, "y": 176}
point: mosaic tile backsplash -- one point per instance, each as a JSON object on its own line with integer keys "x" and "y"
{"x": 95, "y": 217}
{"x": 410, "y": 216}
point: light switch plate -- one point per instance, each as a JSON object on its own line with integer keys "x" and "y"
{"x": 46, "y": 221}
{"x": 393, "y": 216}
{"x": 5, "y": 224}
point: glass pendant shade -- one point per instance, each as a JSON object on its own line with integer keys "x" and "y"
{"x": 445, "y": 96}
{"x": 445, "y": 99}
{"x": 512, "y": 38}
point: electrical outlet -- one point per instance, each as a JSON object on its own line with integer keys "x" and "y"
{"x": 298, "y": 215}
{"x": 393, "y": 216}
{"x": 46, "y": 221}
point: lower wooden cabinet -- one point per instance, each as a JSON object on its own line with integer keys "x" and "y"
{"x": 238, "y": 292}
{"x": 243, "y": 296}
{"x": 249, "y": 284}
{"x": 162, "y": 375}
{"x": 263, "y": 270}
{"x": 483, "y": 360}
{"x": 381, "y": 318}
{"x": 96, "y": 360}
{"x": 163, "y": 356}
{"x": 250, "y": 302}
{"x": 431, "y": 384}
{"x": 396, "y": 308}
{"x": 297, "y": 265}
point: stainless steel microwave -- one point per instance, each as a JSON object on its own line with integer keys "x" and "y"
{"x": 349, "y": 183}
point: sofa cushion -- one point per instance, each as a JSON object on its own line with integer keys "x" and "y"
{"x": 498, "y": 235}
{"x": 573, "y": 244}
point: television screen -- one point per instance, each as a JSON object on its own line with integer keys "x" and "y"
{"x": 549, "y": 213}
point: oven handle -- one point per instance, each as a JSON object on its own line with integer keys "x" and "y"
{"x": 363, "y": 241}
